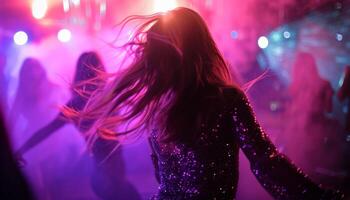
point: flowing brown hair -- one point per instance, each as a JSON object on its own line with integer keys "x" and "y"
{"x": 175, "y": 60}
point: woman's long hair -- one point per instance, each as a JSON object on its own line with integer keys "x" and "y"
{"x": 88, "y": 79}
{"x": 175, "y": 61}
{"x": 88, "y": 72}
{"x": 32, "y": 75}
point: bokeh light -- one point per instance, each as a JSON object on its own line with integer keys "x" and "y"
{"x": 276, "y": 36}
{"x": 286, "y": 34}
{"x": 64, "y": 35}
{"x": 76, "y": 2}
{"x": 339, "y": 37}
{"x": 164, "y": 5}
{"x": 263, "y": 42}
{"x": 20, "y": 38}
{"x": 234, "y": 34}
{"x": 65, "y": 5}
{"x": 39, "y": 8}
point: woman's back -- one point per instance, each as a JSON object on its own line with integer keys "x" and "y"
{"x": 206, "y": 168}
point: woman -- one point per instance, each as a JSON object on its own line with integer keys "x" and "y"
{"x": 179, "y": 87}
{"x": 32, "y": 75}
{"x": 311, "y": 101}
{"x": 87, "y": 67}
{"x": 107, "y": 183}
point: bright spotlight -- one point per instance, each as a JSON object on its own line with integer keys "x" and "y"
{"x": 20, "y": 38}
{"x": 76, "y": 2}
{"x": 263, "y": 42}
{"x": 65, "y": 5}
{"x": 64, "y": 35}
{"x": 39, "y": 8}
{"x": 164, "y": 5}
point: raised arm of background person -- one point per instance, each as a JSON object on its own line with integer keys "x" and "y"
{"x": 42, "y": 134}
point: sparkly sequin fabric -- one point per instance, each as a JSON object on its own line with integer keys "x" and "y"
{"x": 208, "y": 168}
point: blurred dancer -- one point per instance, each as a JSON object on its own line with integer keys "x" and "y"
{"x": 108, "y": 176}
{"x": 34, "y": 89}
{"x": 33, "y": 105}
{"x": 313, "y": 136}
{"x": 307, "y": 86}
{"x": 179, "y": 88}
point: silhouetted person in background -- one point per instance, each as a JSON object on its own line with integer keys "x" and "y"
{"x": 313, "y": 139}
{"x": 108, "y": 176}
{"x": 308, "y": 87}
{"x": 34, "y": 95}
{"x": 35, "y": 103}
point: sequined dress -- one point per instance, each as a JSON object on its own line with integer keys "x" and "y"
{"x": 208, "y": 168}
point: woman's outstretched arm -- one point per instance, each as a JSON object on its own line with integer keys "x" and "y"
{"x": 276, "y": 173}
{"x": 42, "y": 134}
